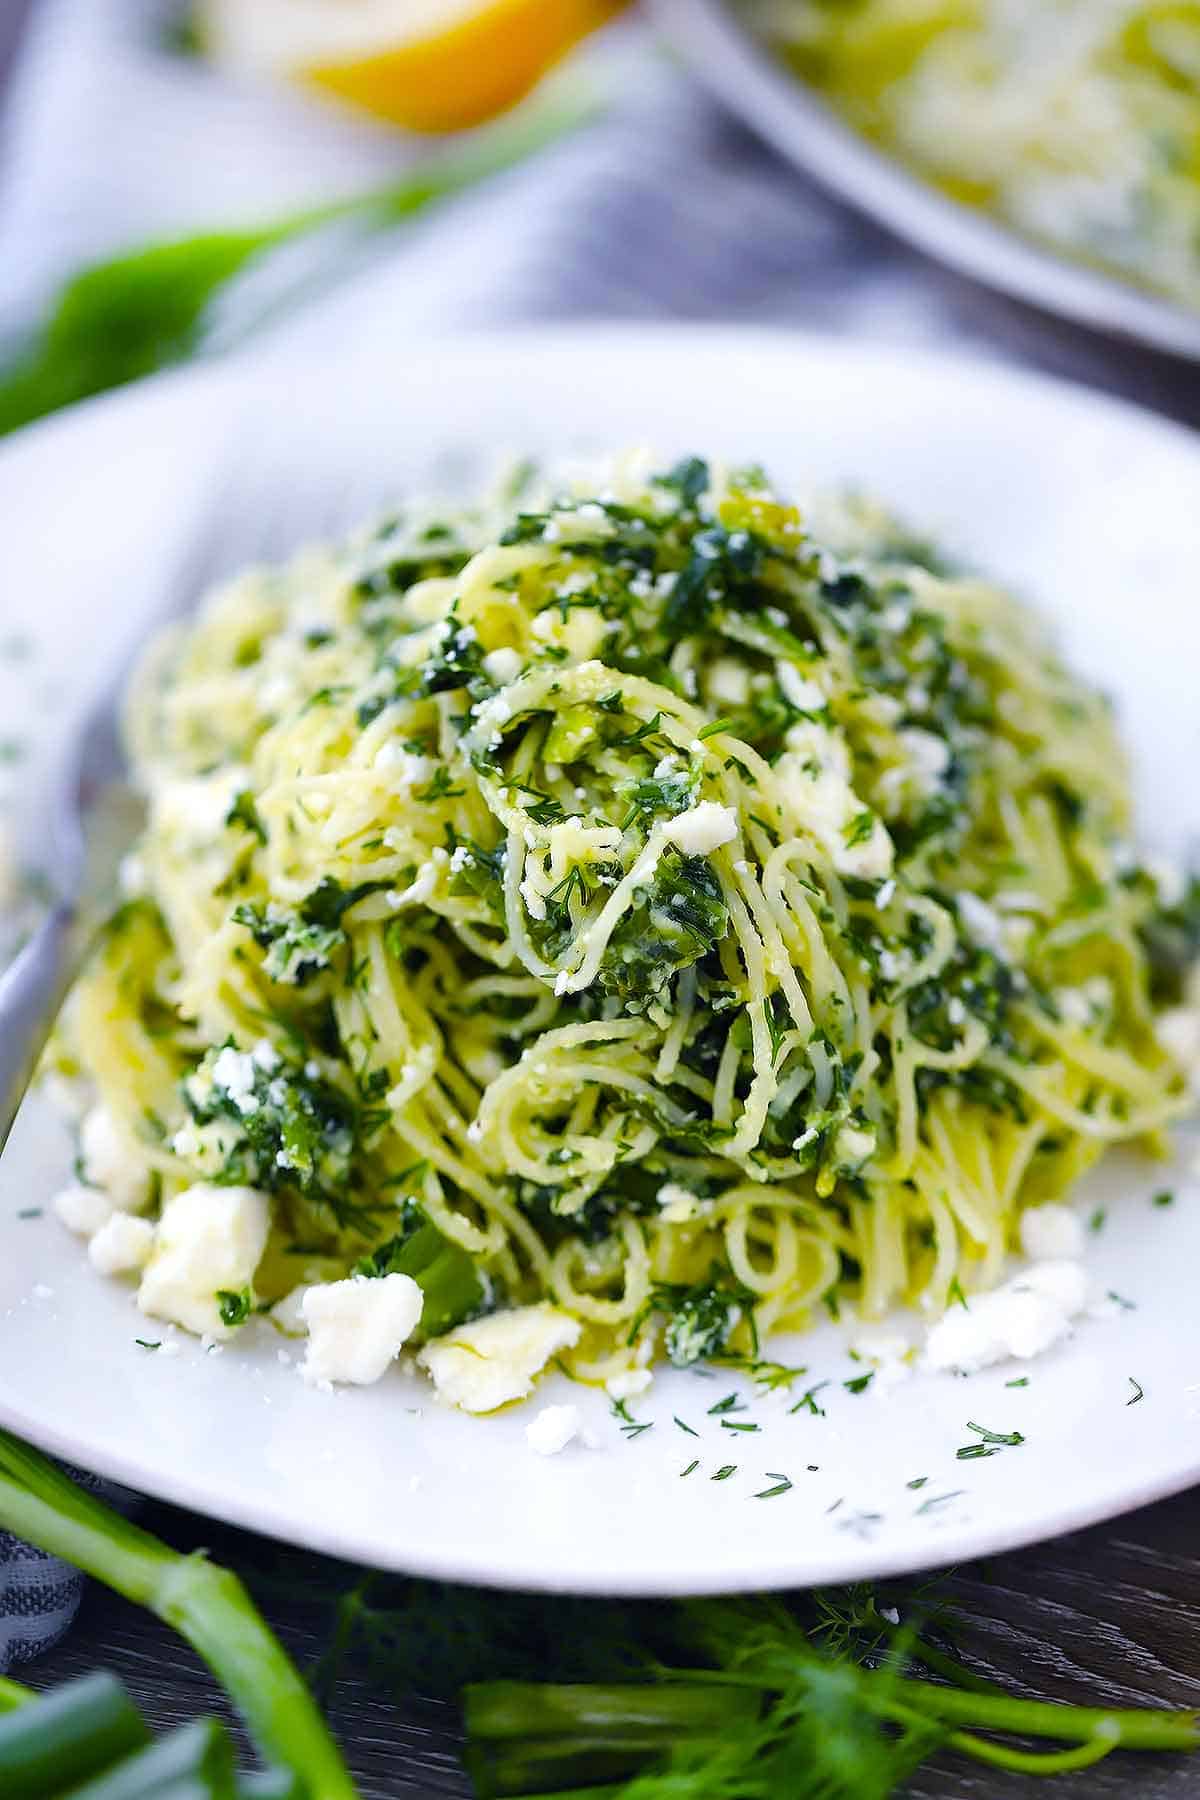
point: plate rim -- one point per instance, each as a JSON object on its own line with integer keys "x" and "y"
{"x": 225, "y": 381}
{"x": 953, "y": 1545}
{"x": 741, "y": 73}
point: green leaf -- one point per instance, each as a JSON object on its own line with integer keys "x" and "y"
{"x": 149, "y": 308}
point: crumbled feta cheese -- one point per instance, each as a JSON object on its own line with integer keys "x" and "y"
{"x": 702, "y": 828}
{"x": 814, "y": 785}
{"x": 628, "y": 1384}
{"x": 553, "y": 1429}
{"x": 403, "y": 769}
{"x": 727, "y": 682}
{"x": 1023, "y": 1318}
{"x": 981, "y": 921}
{"x": 805, "y": 696}
{"x": 288, "y": 1313}
{"x": 193, "y": 811}
{"x": 206, "y": 1148}
{"x": 235, "y": 1072}
{"x": 1051, "y": 1233}
{"x": 677, "y": 1203}
{"x": 122, "y": 1245}
{"x": 209, "y": 1239}
{"x": 356, "y": 1328}
{"x": 83, "y": 1209}
{"x": 502, "y": 666}
{"x": 491, "y": 1361}
{"x": 110, "y": 1159}
{"x": 853, "y": 1146}
{"x": 424, "y": 885}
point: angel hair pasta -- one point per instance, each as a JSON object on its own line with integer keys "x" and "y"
{"x": 623, "y": 915}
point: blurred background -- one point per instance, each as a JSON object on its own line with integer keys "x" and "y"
{"x": 306, "y": 169}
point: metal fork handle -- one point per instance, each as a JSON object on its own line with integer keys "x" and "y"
{"x": 32, "y": 990}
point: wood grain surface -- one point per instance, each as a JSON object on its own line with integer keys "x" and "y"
{"x": 1111, "y": 1614}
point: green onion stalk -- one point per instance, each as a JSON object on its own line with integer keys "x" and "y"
{"x": 714, "y": 1732}
{"x": 206, "y": 1604}
{"x": 128, "y": 316}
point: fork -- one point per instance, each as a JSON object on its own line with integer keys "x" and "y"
{"x": 224, "y": 530}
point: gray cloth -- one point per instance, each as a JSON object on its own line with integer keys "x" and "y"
{"x": 39, "y": 1595}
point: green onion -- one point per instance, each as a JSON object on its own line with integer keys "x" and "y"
{"x": 118, "y": 320}
{"x": 12, "y": 1695}
{"x": 272, "y": 1784}
{"x": 206, "y": 1604}
{"x": 529, "y": 1738}
{"x": 57, "y": 1742}
{"x": 195, "y": 1760}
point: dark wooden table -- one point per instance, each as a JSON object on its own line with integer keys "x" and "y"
{"x": 1113, "y": 1612}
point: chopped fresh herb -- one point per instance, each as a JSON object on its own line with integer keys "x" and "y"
{"x": 234, "y": 1309}
{"x": 684, "y": 1427}
{"x": 859, "y": 829}
{"x": 1164, "y": 1197}
{"x": 691, "y": 1468}
{"x": 935, "y": 1500}
{"x": 452, "y": 1287}
{"x": 808, "y": 1401}
{"x": 1137, "y": 1394}
{"x": 860, "y": 1383}
{"x": 782, "y": 1486}
{"x": 629, "y": 1426}
{"x": 990, "y": 1442}
{"x": 724, "y": 1472}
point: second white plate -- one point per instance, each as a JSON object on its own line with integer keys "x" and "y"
{"x": 802, "y": 127}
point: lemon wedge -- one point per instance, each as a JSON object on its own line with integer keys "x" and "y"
{"x": 429, "y": 65}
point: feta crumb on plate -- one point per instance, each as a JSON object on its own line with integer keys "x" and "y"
{"x": 357, "y": 1327}
{"x": 122, "y": 1245}
{"x": 1051, "y": 1233}
{"x": 487, "y": 1363}
{"x": 82, "y": 1209}
{"x": 1024, "y": 1317}
{"x": 553, "y": 1429}
{"x": 209, "y": 1239}
{"x": 110, "y": 1159}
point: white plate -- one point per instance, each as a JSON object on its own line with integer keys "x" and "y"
{"x": 1092, "y": 507}
{"x": 798, "y": 122}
